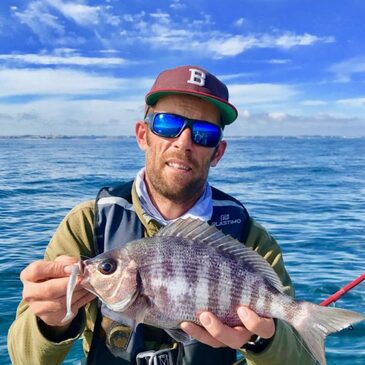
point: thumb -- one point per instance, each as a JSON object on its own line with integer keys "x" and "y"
{"x": 68, "y": 260}
{"x": 43, "y": 270}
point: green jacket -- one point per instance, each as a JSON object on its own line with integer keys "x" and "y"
{"x": 74, "y": 237}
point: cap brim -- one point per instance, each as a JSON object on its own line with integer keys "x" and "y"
{"x": 228, "y": 111}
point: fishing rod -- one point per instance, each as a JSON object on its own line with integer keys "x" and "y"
{"x": 336, "y": 296}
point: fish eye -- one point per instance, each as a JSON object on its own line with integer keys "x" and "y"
{"x": 107, "y": 267}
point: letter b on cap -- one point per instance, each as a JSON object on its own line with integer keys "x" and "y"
{"x": 197, "y": 77}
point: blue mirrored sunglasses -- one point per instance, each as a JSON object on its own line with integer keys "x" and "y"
{"x": 171, "y": 126}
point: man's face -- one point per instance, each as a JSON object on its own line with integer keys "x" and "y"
{"x": 177, "y": 168}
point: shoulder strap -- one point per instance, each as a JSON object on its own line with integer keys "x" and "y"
{"x": 230, "y": 216}
{"x": 115, "y": 221}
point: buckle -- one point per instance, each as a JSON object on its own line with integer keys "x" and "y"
{"x": 160, "y": 357}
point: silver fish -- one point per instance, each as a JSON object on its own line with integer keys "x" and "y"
{"x": 75, "y": 269}
{"x": 189, "y": 267}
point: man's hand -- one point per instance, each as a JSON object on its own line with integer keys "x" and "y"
{"x": 216, "y": 334}
{"x": 44, "y": 289}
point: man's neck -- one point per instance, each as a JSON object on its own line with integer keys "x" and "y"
{"x": 170, "y": 209}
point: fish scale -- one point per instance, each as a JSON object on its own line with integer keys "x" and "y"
{"x": 190, "y": 266}
{"x": 205, "y": 288}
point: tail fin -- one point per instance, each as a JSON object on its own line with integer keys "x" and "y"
{"x": 314, "y": 323}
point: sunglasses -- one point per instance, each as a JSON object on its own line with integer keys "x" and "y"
{"x": 172, "y": 125}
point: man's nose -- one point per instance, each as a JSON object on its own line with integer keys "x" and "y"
{"x": 184, "y": 141}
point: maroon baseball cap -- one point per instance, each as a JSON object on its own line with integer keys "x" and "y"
{"x": 193, "y": 80}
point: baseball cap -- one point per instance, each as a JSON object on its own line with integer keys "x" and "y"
{"x": 193, "y": 80}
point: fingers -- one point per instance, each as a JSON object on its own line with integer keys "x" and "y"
{"x": 216, "y": 334}
{"x": 53, "y": 305}
{"x": 45, "y": 287}
{"x": 46, "y": 290}
{"x": 200, "y": 334}
{"x": 69, "y": 260}
{"x": 52, "y": 312}
{"x": 231, "y": 337}
{"x": 260, "y": 326}
{"x": 42, "y": 270}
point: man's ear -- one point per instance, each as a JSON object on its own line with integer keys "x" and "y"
{"x": 141, "y": 135}
{"x": 218, "y": 153}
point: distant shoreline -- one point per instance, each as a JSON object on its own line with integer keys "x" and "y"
{"x": 31, "y": 136}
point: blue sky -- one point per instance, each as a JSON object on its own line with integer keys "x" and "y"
{"x": 83, "y": 67}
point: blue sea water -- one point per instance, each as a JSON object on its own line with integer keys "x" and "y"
{"x": 309, "y": 193}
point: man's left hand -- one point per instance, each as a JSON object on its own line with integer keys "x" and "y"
{"x": 216, "y": 334}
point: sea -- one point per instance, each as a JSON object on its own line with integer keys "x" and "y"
{"x": 308, "y": 192}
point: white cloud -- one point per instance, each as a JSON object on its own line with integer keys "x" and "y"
{"x": 69, "y": 59}
{"x": 283, "y": 61}
{"x": 77, "y": 11}
{"x": 42, "y": 23}
{"x": 72, "y": 117}
{"x": 245, "y": 94}
{"x": 239, "y": 22}
{"x": 225, "y": 45}
{"x": 346, "y": 69}
{"x": 163, "y": 18}
{"x": 289, "y": 40}
{"x": 177, "y": 5}
{"x": 215, "y": 43}
{"x": 230, "y": 46}
{"x": 283, "y": 124}
{"x": 47, "y": 20}
{"x": 234, "y": 76}
{"x": 313, "y": 102}
{"x": 50, "y": 82}
{"x": 279, "y": 116}
{"x": 244, "y": 113}
{"x": 353, "y": 102}
{"x": 159, "y": 30}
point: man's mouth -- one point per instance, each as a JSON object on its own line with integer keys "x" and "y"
{"x": 178, "y": 166}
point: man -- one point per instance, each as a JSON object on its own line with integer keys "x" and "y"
{"x": 186, "y": 111}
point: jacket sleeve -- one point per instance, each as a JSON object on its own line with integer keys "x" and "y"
{"x": 26, "y": 342}
{"x": 286, "y": 346}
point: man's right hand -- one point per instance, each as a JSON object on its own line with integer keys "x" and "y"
{"x": 44, "y": 289}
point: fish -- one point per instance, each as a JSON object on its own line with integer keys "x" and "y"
{"x": 190, "y": 266}
{"x": 71, "y": 284}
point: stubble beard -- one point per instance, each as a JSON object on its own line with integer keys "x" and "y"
{"x": 178, "y": 189}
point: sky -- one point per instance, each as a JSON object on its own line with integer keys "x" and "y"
{"x": 82, "y": 67}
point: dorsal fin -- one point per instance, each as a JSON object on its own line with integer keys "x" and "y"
{"x": 198, "y": 230}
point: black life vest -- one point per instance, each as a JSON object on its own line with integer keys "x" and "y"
{"x": 115, "y": 224}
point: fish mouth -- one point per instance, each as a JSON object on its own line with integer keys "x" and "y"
{"x": 84, "y": 274}
{"x": 82, "y": 268}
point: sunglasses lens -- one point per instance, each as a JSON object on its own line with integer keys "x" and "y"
{"x": 170, "y": 126}
{"x": 167, "y": 125}
{"x": 205, "y": 134}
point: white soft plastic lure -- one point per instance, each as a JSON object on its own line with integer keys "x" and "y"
{"x": 75, "y": 269}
